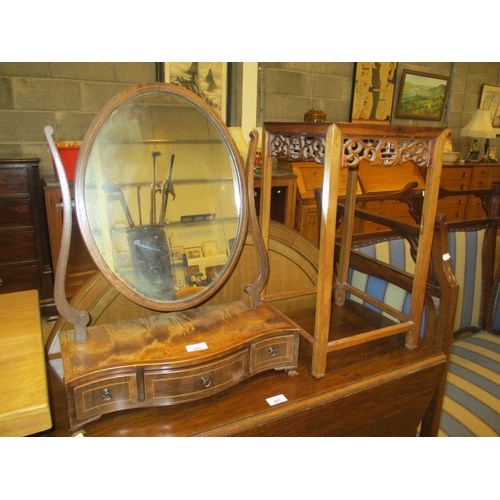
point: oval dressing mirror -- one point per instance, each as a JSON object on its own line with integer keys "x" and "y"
{"x": 159, "y": 196}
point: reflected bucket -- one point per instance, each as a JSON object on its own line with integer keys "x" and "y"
{"x": 151, "y": 262}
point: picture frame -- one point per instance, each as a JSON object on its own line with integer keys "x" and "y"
{"x": 208, "y": 80}
{"x": 177, "y": 254}
{"x": 490, "y": 99}
{"x": 212, "y": 272}
{"x": 210, "y": 248}
{"x": 194, "y": 253}
{"x": 373, "y": 92}
{"x": 422, "y": 95}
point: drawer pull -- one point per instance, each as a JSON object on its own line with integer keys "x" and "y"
{"x": 272, "y": 352}
{"x": 106, "y": 395}
{"x": 206, "y": 382}
{"x": 1, "y": 281}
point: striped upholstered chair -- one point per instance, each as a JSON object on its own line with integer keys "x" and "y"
{"x": 471, "y": 403}
{"x": 394, "y": 288}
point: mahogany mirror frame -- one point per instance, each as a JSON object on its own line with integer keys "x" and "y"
{"x": 81, "y": 210}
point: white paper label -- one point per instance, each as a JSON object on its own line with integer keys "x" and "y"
{"x": 196, "y": 347}
{"x": 276, "y": 400}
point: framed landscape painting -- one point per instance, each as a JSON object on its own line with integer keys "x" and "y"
{"x": 373, "y": 92}
{"x": 422, "y": 96}
{"x": 206, "y": 79}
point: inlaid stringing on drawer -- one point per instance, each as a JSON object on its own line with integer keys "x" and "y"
{"x": 271, "y": 351}
{"x": 176, "y": 386}
{"x": 96, "y": 397}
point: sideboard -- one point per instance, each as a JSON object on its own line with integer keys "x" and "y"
{"x": 454, "y": 177}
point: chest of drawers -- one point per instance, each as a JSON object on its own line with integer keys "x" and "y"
{"x": 24, "y": 251}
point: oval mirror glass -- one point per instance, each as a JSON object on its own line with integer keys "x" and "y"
{"x": 159, "y": 196}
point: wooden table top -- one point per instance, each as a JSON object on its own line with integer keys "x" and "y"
{"x": 378, "y": 388}
{"x": 24, "y": 401}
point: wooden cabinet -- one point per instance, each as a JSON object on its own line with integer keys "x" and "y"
{"x": 464, "y": 177}
{"x": 371, "y": 180}
{"x": 483, "y": 176}
{"x": 24, "y": 251}
{"x": 283, "y": 191}
{"x": 455, "y": 178}
{"x": 375, "y": 180}
{"x": 390, "y": 208}
{"x": 309, "y": 176}
{"x": 80, "y": 265}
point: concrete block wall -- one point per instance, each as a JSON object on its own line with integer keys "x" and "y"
{"x": 66, "y": 96}
{"x": 69, "y": 95}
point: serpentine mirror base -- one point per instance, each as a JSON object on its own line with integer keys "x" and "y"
{"x": 173, "y": 358}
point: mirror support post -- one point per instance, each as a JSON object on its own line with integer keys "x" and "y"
{"x": 79, "y": 319}
{"x": 254, "y": 289}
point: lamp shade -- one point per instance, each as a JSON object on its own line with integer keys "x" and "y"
{"x": 480, "y": 126}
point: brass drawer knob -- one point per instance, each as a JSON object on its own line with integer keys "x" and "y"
{"x": 106, "y": 395}
{"x": 272, "y": 352}
{"x": 206, "y": 382}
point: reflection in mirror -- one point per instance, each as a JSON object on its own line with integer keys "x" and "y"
{"x": 162, "y": 197}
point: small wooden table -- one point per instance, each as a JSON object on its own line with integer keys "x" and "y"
{"x": 373, "y": 389}
{"x": 24, "y": 400}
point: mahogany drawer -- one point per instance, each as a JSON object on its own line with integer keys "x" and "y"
{"x": 392, "y": 208}
{"x": 483, "y": 176}
{"x": 16, "y": 213}
{"x": 24, "y": 250}
{"x": 454, "y": 207}
{"x": 272, "y": 352}
{"x": 113, "y": 392}
{"x": 164, "y": 386}
{"x": 456, "y": 178}
{"x": 17, "y": 279}
{"x": 370, "y": 227}
{"x": 475, "y": 208}
{"x": 14, "y": 181}
{"x": 18, "y": 247}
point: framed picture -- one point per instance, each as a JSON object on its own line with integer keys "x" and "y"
{"x": 177, "y": 254}
{"x": 422, "y": 96}
{"x": 206, "y": 79}
{"x": 210, "y": 248}
{"x": 212, "y": 272}
{"x": 373, "y": 93}
{"x": 490, "y": 99}
{"x": 194, "y": 253}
